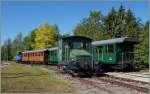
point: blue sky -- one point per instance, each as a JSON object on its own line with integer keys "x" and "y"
{"x": 25, "y": 16}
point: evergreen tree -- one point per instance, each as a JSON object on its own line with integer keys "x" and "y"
{"x": 132, "y": 25}
{"x": 120, "y": 28}
{"x": 6, "y": 50}
{"x": 91, "y": 27}
{"x": 29, "y": 41}
{"x": 143, "y": 46}
{"x": 110, "y": 24}
{"x": 17, "y": 44}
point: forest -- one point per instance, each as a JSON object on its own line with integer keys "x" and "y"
{"x": 117, "y": 23}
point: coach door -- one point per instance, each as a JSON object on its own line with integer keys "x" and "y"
{"x": 100, "y": 51}
{"x": 110, "y": 56}
{"x": 46, "y": 54}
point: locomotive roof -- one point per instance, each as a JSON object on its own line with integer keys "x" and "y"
{"x": 116, "y": 40}
{"x": 76, "y": 37}
{"x": 34, "y": 51}
{"x": 54, "y": 48}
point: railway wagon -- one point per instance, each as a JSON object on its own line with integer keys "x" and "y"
{"x": 53, "y": 56}
{"x": 35, "y": 56}
{"x": 18, "y": 57}
{"x": 117, "y": 53}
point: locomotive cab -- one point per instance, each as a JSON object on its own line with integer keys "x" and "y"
{"x": 75, "y": 54}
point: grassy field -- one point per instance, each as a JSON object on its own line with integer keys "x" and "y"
{"x": 17, "y": 78}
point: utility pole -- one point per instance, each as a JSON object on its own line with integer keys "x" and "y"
{"x": 6, "y": 54}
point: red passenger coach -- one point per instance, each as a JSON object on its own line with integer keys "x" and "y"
{"x": 36, "y": 56}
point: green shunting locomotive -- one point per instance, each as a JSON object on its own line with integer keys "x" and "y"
{"x": 75, "y": 54}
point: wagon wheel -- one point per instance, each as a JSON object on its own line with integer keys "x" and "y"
{"x": 100, "y": 64}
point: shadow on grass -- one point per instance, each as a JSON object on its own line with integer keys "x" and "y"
{"x": 17, "y": 75}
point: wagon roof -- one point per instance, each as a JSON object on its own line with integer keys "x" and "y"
{"x": 34, "y": 51}
{"x": 76, "y": 37}
{"x": 54, "y": 48}
{"x": 116, "y": 40}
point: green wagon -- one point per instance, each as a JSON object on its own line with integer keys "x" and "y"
{"x": 53, "y": 55}
{"x": 116, "y": 53}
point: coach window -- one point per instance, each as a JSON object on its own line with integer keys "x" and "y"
{"x": 41, "y": 53}
{"x": 99, "y": 49}
{"x": 38, "y": 53}
{"x": 110, "y": 48}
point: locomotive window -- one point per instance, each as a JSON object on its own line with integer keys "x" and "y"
{"x": 110, "y": 48}
{"x": 78, "y": 45}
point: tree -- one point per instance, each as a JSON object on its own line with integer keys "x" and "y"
{"x": 29, "y": 40}
{"x": 144, "y": 44}
{"x": 110, "y": 24}
{"x": 46, "y": 36}
{"x": 17, "y": 44}
{"x": 121, "y": 29}
{"x": 132, "y": 25}
{"x": 6, "y": 50}
{"x": 91, "y": 27}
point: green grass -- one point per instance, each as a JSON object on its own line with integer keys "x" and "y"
{"x": 32, "y": 79}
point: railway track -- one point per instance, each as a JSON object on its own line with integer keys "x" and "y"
{"x": 128, "y": 80}
{"x": 127, "y": 83}
{"x": 95, "y": 84}
{"x": 86, "y": 81}
{"x": 121, "y": 82}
